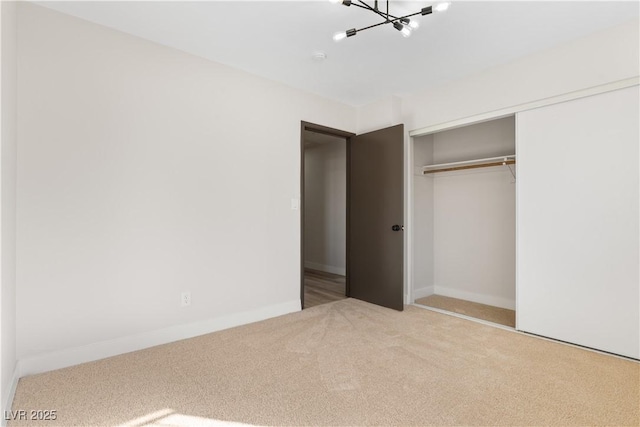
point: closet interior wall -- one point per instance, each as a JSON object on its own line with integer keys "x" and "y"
{"x": 464, "y": 221}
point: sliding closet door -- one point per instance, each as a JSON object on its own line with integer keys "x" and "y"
{"x": 578, "y": 222}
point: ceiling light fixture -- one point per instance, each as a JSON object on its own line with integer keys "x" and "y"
{"x": 400, "y": 23}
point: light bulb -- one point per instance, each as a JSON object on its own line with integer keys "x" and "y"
{"x": 404, "y": 30}
{"x": 339, "y": 36}
{"x": 349, "y": 33}
{"x": 441, "y": 7}
{"x": 412, "y": 24}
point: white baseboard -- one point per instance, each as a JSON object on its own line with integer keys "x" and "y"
{"x": 475, "y": 297}
{"x": 326, "y": 268}
{"x": 8, "y": 402}
{"x": 423, "y": 292}
{"x": 104, "y": 349}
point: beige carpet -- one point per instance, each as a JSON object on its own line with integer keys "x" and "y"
{"x": 489, "y": 313}
{"x": 345, "y": 363}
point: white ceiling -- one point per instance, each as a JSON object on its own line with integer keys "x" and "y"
{"x": 276, "y": 39}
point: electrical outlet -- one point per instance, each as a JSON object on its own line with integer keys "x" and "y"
{"x": 185, "y": 299}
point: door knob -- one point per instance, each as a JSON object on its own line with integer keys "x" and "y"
{"x": 397, "y": 227}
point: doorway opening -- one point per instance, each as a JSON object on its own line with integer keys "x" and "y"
{"x": 324, "y": 218}
{"x": 373, "y": 215}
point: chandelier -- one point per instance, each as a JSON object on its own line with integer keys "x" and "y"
{"x": 401, "y": 23}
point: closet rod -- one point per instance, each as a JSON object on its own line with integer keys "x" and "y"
{"x": 482, "y": 165}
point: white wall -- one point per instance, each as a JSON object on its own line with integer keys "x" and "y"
{"x": 474, "y": 216}
{"x": 383, "y": 113}
{"x": 325, "y": 222}
{"x": 149, "y": 172}
{"x": 602, "y": 57}
{"x": 8, "y": 123}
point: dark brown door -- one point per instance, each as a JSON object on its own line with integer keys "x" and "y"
{"x": 376, "y": 215}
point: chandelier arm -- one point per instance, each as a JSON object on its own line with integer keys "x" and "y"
{"x": 385, "y": 16}
{"x": 371, "y": 26}
{"x": 391, "y": 21}
{"x": 366, "y": 6}
{"x": 386, "y": 22}
{"x": 360, "y": 6}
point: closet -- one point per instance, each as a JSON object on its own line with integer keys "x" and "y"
{"x": 464, "y": 220}
{"x": 574, "y": 163}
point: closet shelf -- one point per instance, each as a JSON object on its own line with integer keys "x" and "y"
{"x": 470, "y": 164}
